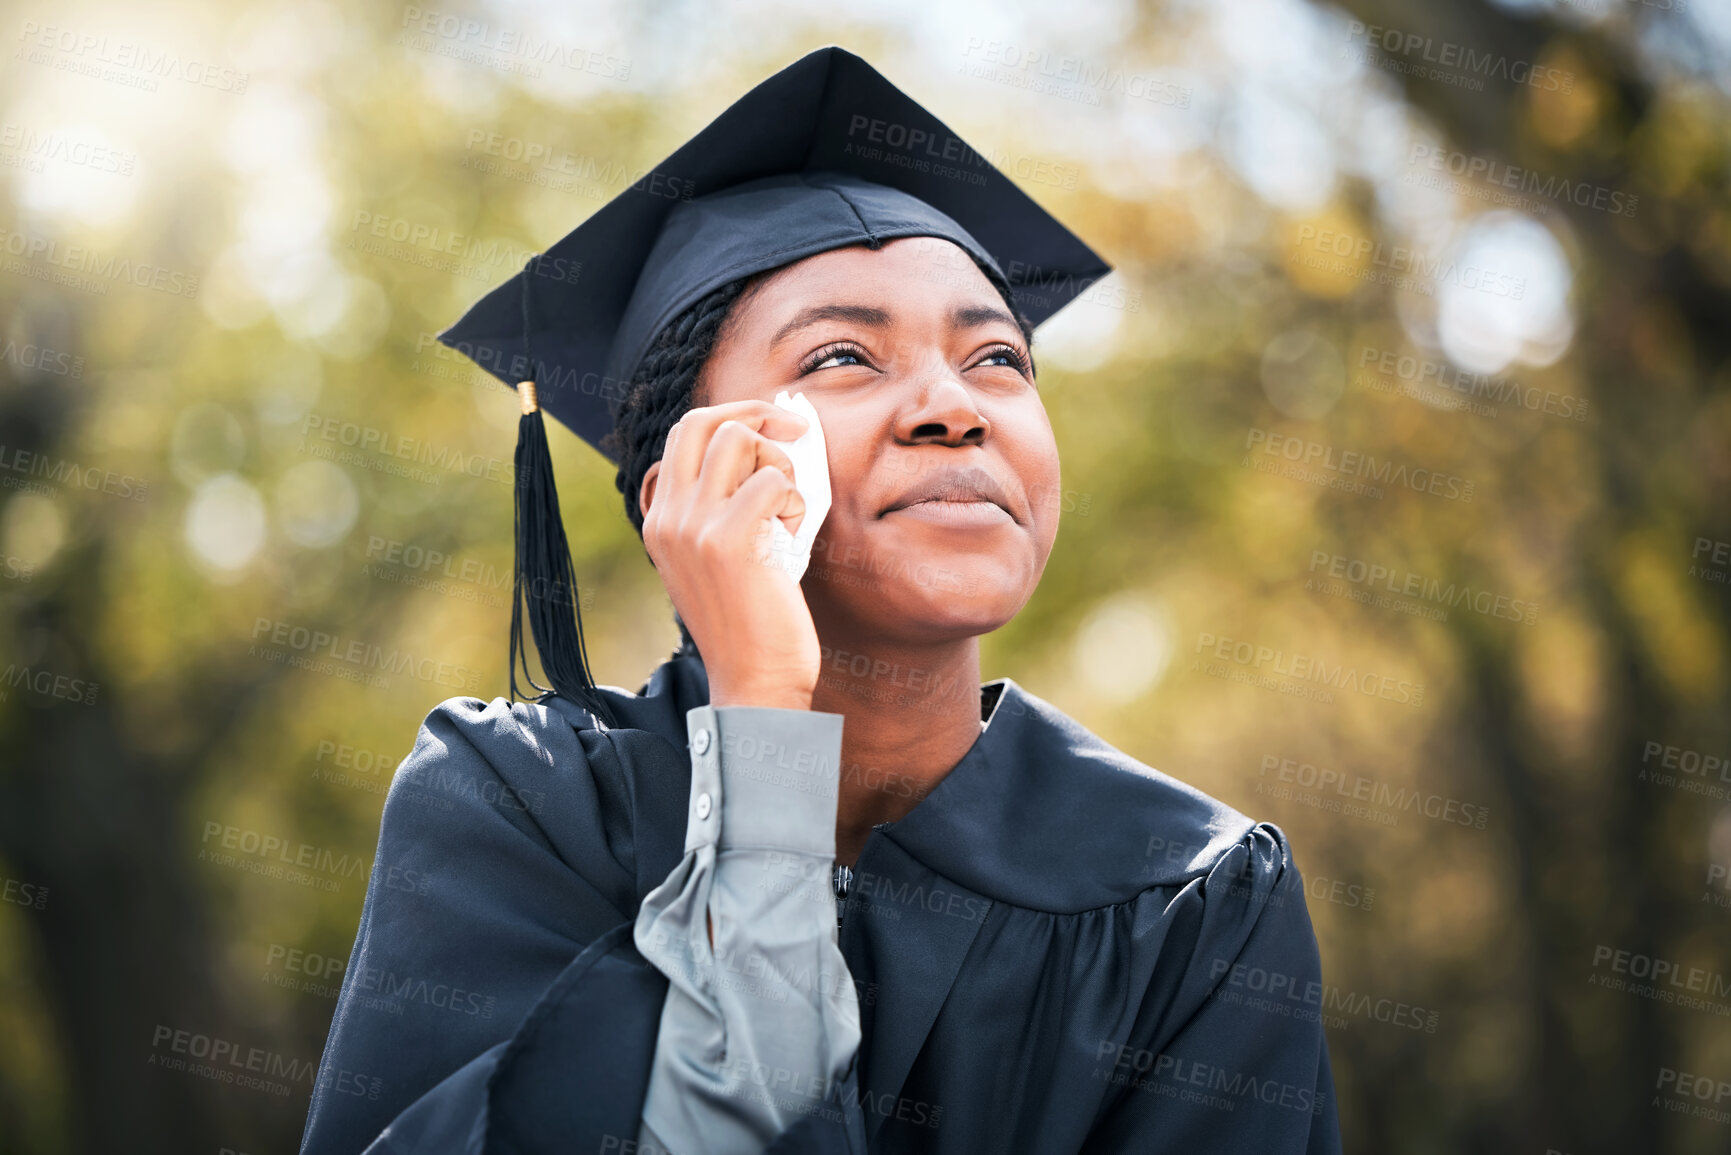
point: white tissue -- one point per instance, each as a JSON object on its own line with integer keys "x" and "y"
{"x": 792, "y": 551}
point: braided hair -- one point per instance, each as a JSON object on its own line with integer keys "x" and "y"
{"x": 663, "y": 389}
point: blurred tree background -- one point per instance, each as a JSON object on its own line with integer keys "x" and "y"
{"x": 1415, "y": 365}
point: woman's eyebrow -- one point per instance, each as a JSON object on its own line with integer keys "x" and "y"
{"x": 970, "y": 316}
{"x": 859, "y": 314}
{"x": 961, "y": 317}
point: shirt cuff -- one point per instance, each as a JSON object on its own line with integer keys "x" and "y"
{"x": 763, "y": 777}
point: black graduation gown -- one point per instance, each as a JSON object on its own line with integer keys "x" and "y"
{"x": 1057, "y": 950}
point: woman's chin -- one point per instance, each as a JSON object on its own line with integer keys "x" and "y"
{"x": 903, "y": 612}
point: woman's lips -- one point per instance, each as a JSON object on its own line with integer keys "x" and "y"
{"x": 956, "y": 495}
{"x": 961, "y": 514}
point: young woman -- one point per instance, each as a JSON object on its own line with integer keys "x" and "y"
{"x": 615, "y": 929}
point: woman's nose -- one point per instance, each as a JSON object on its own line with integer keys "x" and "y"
{"x": 942, "y": 413}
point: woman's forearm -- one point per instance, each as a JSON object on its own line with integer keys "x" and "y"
{"x": 761, "y": 1022}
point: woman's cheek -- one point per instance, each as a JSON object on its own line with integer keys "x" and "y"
{"x": 1038, "y": 470}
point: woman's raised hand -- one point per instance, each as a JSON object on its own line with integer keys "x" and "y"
{"x": 706, "y": 525}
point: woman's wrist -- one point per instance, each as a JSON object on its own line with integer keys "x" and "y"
{"x": 782, "y": 697}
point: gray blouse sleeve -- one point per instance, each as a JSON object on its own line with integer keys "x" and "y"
{"x": 757, "y": 1027}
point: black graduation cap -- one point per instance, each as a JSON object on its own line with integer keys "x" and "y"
{"x": 824, "y": 154}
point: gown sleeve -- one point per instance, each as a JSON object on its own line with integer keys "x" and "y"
{"x": 759, "y": 1029}
{"x": 1246, "y": 1067}
{"x": 486, "y": 974}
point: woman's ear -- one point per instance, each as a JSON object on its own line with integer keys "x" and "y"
{"x": 646, "y": 492}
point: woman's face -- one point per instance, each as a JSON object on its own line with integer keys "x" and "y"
{"x": 942, "y": 463}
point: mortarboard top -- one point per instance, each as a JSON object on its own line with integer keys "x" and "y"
{"x": 824, "y": 154}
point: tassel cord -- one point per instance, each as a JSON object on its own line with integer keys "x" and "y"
{"x": 545, "y": 580}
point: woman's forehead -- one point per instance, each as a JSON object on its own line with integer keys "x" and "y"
{"x": 923, "y": 269}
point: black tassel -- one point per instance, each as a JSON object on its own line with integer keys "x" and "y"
{"x": 545, "y": 580}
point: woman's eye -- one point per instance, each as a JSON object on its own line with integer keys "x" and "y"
{"x": 1006, "y": 355}
{"x": 834, "y": 356}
